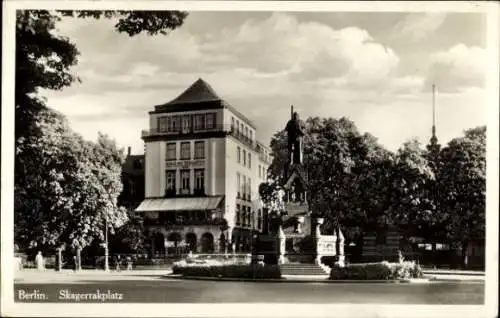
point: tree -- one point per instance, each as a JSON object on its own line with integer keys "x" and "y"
{"x": 342, "y": 166}
{"x": 44, "y": 59}
{"x": 412, "y": 207}
{"x": 65, "y": 188}
{"x": 462, "y": 188}
{"x": 130, "y": 238}
{"x": 68, "y": 187}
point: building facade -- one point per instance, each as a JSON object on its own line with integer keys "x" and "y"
{"x": 203, "y": 168}
{"x": 133, "y": 181}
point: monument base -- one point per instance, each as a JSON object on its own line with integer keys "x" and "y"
{"x": 265, "y": 250}
{"x": 340, "y": 261}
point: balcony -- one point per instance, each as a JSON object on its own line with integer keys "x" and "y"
{"x": 227, "y": 129}
{"x": 179, "y": 223}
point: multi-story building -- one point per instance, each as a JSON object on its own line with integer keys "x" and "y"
{"x": 133, "y": 181}
{"x": 203, "y": 170}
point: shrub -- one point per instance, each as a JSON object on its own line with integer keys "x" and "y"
{"x": 377, "y": 271}
{"x": 229, "y": 271}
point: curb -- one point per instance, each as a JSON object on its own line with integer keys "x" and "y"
{"x": 453, "y": 274}
{"x": 455, "y": 280}
{"x": 287, "y": 280}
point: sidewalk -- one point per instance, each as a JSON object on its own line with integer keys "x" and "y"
{"x": 47, "y": 276}
{"x": 453, "y": 272}
{"x": 70, "y": 276}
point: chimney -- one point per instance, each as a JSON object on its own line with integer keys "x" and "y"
{"x": 129, "y": 151}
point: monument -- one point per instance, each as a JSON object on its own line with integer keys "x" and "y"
{"x": 290, "y": 225}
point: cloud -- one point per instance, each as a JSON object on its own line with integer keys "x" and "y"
{"x": 457, "y": 68}
{"x": 262, "y": 66}
{"x": 278, "y": 45}
{"x": 417, "y": 26}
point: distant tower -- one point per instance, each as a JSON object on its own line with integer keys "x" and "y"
{"x": 434, "y": 146}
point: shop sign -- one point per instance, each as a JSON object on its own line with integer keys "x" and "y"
{"x": 185, "y": 164}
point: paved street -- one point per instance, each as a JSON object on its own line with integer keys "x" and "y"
{"x": 150, "y": 287}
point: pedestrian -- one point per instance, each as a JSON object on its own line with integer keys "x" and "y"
{"x": 117, "y": 261}
{"x": 39, "y": 261}
{"x": 129, "y": 263}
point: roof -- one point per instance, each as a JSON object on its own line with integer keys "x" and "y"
{"x": 199, "y": 96}
{"x": 134, "y": 165}
{"x": 199, "y": 91}
{"x": 179, "y": 204}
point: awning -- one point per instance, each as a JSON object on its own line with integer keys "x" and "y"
{"x": 180, "y": 204}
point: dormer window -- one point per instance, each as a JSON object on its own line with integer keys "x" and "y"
{"x": 199, "y": 122}
{"x": 210, "y": 121}
{"x": 186, "y": 123}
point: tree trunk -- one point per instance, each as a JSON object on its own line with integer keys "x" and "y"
{"x": 434, "y": 255}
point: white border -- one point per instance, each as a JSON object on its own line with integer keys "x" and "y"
{"x": 9, "y": 308}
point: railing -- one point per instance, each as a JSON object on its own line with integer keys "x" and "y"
{"x": 153, "y": 222}
{"x": 217, "y": 128}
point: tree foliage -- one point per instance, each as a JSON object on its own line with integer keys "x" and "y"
{"x": 342, "y": 166}
{"x": 412, "y": 208}
{"x": 66, "y": 188}
{"x": 462, "y": 186}
{"x": 355, "y": 182}
{"x": 44, "y": 58}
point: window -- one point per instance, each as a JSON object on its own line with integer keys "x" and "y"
{"x": 242, "y": 130}
{"x": 253, "y": 219}
{"x": 199, "y": 149}
{"x": 185, "y": 150}
{"x": 251, "y": 135}
{"x": 238, "y": 154}
{"x": 185, "y": 186}
{"x": 249, "y": 160}
{"x": 238, "y": 183}
{"x": 237, "y": 125}
{"x": 244, "y": 157}
{"x": 244, "y": 187}
{"x": 249, "y": 216}
{"x": 171, "y": 151}
{"x": 199, "y": 122}
{"x": 170, "y": 124}
{"x": 232, "y": 123}
{"x": 210, "y": 120}
{"x": 246, "y": 132}
{"x": 199, "y": 179}
{"x": 249, "y": 189}
{"x": 243, "y": 216}
{"x": 162, "y": 123}
{"x": 259, "y": 220}
{"x": 238, "y": 214}
{"x": 186, "y": 123}
{"x": 176, "y": 126}
{"x": 170, "y": 187}
{"x": 260, "y": 174}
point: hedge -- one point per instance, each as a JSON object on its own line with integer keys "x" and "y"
{"x": 377, "y": 271}
{"x": 229, "y": 271}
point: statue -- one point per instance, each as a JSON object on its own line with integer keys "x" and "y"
{"x": 295, "y": 131}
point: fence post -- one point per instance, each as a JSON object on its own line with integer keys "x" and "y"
{"x": 58, "y": 264}
{"x": 78, "y": 259}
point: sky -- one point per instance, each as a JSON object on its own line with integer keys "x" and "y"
{"x": 375, "y": 68}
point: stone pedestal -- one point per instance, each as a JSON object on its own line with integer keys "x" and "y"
{"x": 281, "y": 245}
{"x": 59, "y": 260}
{"x": 340, "y": 258}
{"x": 317, "y": 234}
{"x": 78, "y": 265}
